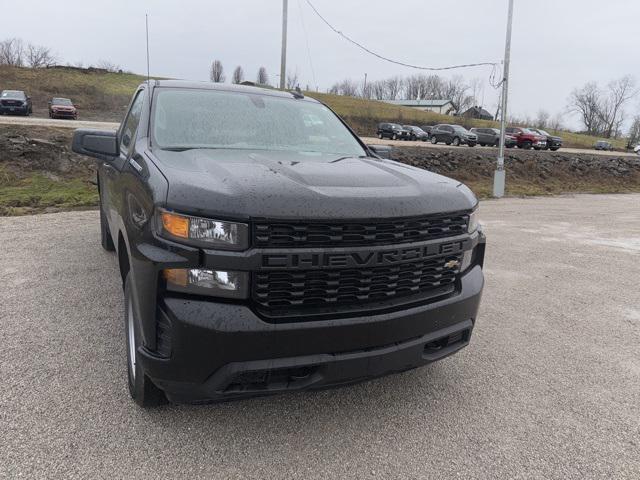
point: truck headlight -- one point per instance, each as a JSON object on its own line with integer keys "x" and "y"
{"x": 203, "y": 232}
{"x": 199, "y": 281}
{"x": 474, "y": 221}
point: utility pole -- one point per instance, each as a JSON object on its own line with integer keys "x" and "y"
{"x": 364, "y": 89}
{"x": 283, "y": 57}
{"x": 499, "y": 175}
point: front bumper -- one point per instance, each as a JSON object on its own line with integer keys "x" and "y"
{"x": 14, "y": 108}
{"x": 224, "y": 350}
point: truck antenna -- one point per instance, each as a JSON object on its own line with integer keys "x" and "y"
{"x": 146, "y": 21}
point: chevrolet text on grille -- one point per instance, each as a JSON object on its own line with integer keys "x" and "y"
{"x": 359, "y": 259}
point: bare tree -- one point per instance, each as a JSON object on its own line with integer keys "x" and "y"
{"x": 378, "y": 89}
{"x": 556, "y": 122}
{"x": 108, "y": 66}
{"x": 12, "y": 52}
{"x": 456, "y": 90}
{"x": 612, "y": 108}
{"x": 217, "y": 72}
{"x": 238, "y": 75}
{"x": 542, "y": 119}
{"x": 394, "y": 87}
{"x": 347, "y": 88}
{"x": 292, "y": 80}
{"x": 39, "y": 57}
{"x": 585, "y": 102}
{"x": 634, "y": 132}
{"x": 263, "y": 77}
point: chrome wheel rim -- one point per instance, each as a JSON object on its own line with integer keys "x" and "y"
{"x": 131, "y": 344}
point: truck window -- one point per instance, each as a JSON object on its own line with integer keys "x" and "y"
{"x": 131, "y": 122}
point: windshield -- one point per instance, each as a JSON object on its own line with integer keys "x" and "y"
{"x": 198, "y": 118}
{"x": 542, "y": 132}
{"x": 61, "y": 101}
{"x": 12, "y": 94}
{"x": 458, "y": 128}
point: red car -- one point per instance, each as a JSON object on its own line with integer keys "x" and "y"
{"x": 62, "y": 108}
{"x": 527, "y": 139}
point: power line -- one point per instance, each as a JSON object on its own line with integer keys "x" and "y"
{"x": 306, "y": 36}
{"x": 386, "y": 59}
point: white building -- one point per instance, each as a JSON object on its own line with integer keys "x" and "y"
{"x": 444, "y": 107}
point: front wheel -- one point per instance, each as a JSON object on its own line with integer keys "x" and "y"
{"x": 380, "y": 136}
{"x": 456, "y": 142}
{"x": 394, "y": 136}
{"x": 434, "y": 140}
{"x": 141, "y": 388}
{"x": 471, "y": 144}
{"x": 553, "y": 149}
{"x": 526, "y": 145}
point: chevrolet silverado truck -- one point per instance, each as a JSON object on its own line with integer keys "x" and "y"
{"x": 263, "y": 247}
{"x": 527, "y": 139}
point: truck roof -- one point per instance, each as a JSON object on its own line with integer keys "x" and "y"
{"x": 226, "y": 87}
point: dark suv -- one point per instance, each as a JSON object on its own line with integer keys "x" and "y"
{"x": 264, "y": 248}
{"x": 491, "y": 137}
{"x": 553, "y": 142}
{"x": 416, "y": 133}
{"x": 15, "y": 102}
{"x": 453, "y": 135}
{"x": 393, "y": 131}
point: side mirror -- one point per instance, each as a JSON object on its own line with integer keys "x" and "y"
{"x": 101, "y": 144}
{"x": 383, "y": 151}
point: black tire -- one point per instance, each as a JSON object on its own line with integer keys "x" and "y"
{"x": 553, "y": 149}
{"x": 527, "y": 145}
{"x": 455, "y": 142}
{"x": 434, "y": 140}
{"x": 483, "y": 144}
{"x": 141, "y": 388}
{"x": 394, "y": 136}
{"x": 105, "y": 236}
{"x": 471, "y": 145}
{"x": 380, "y": 136}
{"x": 508, "y": 146}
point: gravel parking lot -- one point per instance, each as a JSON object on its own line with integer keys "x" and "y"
{"x": 549, "y": 387}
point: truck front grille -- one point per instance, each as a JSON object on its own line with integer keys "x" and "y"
{"x": 358, "y": 233}
{"x": 285, "y": 292}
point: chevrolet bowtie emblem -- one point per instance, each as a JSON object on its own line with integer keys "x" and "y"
{"x": 452, "y": 264}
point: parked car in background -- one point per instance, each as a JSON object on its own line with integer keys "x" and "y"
{"x": 392, "y": 131}
{"x": 553, "y": 142}
{"x": 603, "y": 145}
{"x": 527, "y": 139}
{"x": 416, "y": 133}
{"x": 637, "y": 149}
{"x": 427, "y": 129}
{"x": 453, "y": 135}
{"x": 15, "y": 102}
{"x": 62, "y": 108}
{"x": 491, "y": 137}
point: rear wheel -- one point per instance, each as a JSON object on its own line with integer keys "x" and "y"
{"x": 553, "y": 149}
{"x": 380, "y": 136}
{"x": 483, "y": 144}
{"x": 456, "y": 142}
{"x": 526, "y": 145}
{"x": 141, "y": 388}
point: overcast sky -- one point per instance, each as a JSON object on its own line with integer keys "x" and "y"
{"x": 557, "y": 44}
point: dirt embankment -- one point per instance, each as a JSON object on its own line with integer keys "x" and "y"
{"x": 39, "y": 172}
{"x": 529, "y": 172}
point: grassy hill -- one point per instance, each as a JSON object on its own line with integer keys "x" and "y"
{"x": 104, "y": 96}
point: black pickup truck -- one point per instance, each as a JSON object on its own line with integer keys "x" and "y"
{"x": 263, "y": 248}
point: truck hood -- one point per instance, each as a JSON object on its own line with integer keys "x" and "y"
{"x": 245, "y": 184}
